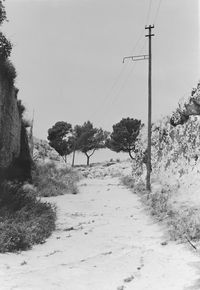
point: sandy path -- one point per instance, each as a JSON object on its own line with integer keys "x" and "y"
{"x": 104, "y": 241}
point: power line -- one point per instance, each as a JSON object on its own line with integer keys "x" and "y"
{"x": 114, "y": 83}
{"x": 123, "y": 69}
{"x": 108, "y": 96}
{"x": 137, "y": 42}
{"x": 149, "y": 11}
{"x": 157, "y": 11}
{"x": 142, "y": 30}
{"x": 115, "y": 97}
{"x": 130, "y": 72}
{"x": 110, "y": 92}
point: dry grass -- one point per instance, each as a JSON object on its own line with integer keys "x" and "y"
{"x": 182, "y": 223}
{"x": 185, "y": 224}
{"x": 52, "y": 181}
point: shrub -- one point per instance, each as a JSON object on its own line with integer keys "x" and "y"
{"x": 128, "y": 181}
{"x": 185, "y": 224}
{"x": 8, "y": 71}
{"x": 53, "y": 181}
{"x": 24, "y": 220}
{"x": 182, "y": 224}
{"x": 5, "y": 47}
{"x": 158, "y": 203}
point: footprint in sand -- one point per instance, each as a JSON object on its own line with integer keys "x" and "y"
{"x": 120, "y": 288}
{"x": 129, "y": 279}
{"x": 141, "y": 264}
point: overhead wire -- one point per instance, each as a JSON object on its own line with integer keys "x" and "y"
{"x": 157, "y": 12}
{"x": 114, "y": 83}
{"x": 115, "y": 98}
{"x": 108, "y": 95}
{"x": 149, "y": 11}
{"x": 142, "y": 30}
{"x": 130, "y": 72}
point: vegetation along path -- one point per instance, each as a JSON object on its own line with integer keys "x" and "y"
{"x": 105, "y": 240}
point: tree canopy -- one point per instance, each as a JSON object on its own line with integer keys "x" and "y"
{"x": 5, "y": 44}
{"x": 60, "y": 138}
{"x": 2, "y": 12}
{"x": 124, "y": 136}
{"x": 89, "y": 139}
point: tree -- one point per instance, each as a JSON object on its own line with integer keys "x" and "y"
{"x": 2, "y": 12}
{"x": 89, "y": 139}
{"x": 6, "y": 68}
{"x": 124, "y": 136}
{"x": 5, "y": 45}
{"x": 59, "y": 137}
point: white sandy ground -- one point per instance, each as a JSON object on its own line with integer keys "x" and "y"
{"x": 114, "y": 244}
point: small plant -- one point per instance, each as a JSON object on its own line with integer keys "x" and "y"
{"x": 128, "y": 181}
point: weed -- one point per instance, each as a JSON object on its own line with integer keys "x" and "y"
{"x": 128, "y": 181}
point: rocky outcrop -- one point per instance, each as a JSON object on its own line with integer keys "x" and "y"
{"x": 190, "y": 107}
{"x": 12, "y": 134}
{"x": 10, "y": 124}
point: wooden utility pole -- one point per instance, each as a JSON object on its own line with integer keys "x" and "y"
{"x": 148, "y": 179}
{"x": 149, "y": 57}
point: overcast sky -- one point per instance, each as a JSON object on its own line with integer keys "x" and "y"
{"x": 68, "y": 55}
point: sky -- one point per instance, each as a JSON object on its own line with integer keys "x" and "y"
{"x": 68, "y": 56}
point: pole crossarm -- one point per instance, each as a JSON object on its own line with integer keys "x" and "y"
{"x": 136, "y": 57}
{"x": 149, "y": 26}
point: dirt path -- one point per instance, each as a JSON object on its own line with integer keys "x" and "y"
{"x": 104, "y": 240}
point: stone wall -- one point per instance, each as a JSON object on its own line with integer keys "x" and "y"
{"x": 10, "y": 124}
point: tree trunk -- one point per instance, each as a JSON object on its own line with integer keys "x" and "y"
{"x": 73, "y": 158}
{"x": 64, "y": 158}
{"x": 88, "y": 160}
{"x": 129, "y": 152}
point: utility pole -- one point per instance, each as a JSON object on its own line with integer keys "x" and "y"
{"x": 148, "y": 180}
{"x": 149, "y": 57}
